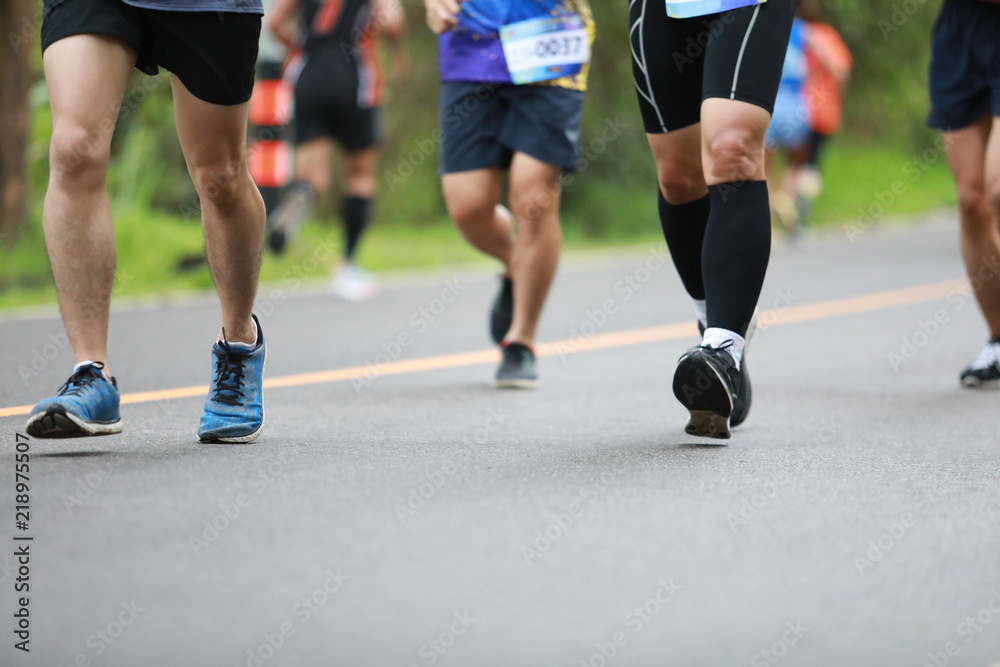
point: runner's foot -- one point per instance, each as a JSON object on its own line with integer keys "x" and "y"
{"x": 984, "y": 372}
{"x": 286, "y": 220}
{"x": 87, "y": 404}
{"x": 704, "y": 383}
{"x": 517, "y": 369}
{"x": 351, "y": 283}
{"x": 502, "y": 313}
{"x": 234, "y": 409}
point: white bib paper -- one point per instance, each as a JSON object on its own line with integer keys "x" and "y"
{"x": 545, "y": 48}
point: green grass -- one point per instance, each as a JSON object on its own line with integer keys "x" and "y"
{"x": 597, "y": 214}
{"x": 856, "y": 175}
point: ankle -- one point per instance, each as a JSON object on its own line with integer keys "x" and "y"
{"x": 245, "y": 335}
{"x": 95, "y": 361}
{"x": 519, "y": 340}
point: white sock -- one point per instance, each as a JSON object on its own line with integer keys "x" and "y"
{"x": 80, "y": 365}
{"x": 716, "y": 337}
{"x": 701, "y": 309}
{"x": 247, "y": 346}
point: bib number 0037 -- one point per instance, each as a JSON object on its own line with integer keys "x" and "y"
{"x": 546, "y": 48}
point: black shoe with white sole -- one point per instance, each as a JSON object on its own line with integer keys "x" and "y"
{"x": 984, "y": 372}
{"x": 743, "y": 399}
{"x": 502, "y": 312}
{"x": 706, "y": 383}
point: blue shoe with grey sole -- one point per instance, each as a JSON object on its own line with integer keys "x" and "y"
{"x": 87, "y": 404}
{"x": 234, "y": 409}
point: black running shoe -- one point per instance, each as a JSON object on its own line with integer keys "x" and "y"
{"x": 286, "y": 220}
{"x": 744, "y": 393}
{"x": 517, "y": 369}
{"x": 502, "y": 313}
{"x": 984, "y": 372}
{"x": 704, "y": 383}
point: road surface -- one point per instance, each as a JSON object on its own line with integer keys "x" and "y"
{"x": 398, "y": 510}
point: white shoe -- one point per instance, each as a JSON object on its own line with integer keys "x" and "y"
{"x": 351, "y": 283}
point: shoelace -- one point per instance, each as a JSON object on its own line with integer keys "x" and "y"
{"x": 230, "y": 371}
{"x": 81, "y": 379}
{"x": 989, "y": 356}
{"x": 725, "y": 346}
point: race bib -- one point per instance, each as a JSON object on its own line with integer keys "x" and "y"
{"x": 685, "y": 9}
{"x": 545, "y": 48}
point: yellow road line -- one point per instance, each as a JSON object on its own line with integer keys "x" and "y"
{"x": 794, "y": 314}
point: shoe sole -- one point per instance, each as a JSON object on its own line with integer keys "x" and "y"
{"x": 986, "y": 385}
{"x": 237, "y": 440}
{"x": 700, "y": 389}
{"x": 518, "y": 383}
{"x": 54, "y": 424}
{"x": 250, "y": 437}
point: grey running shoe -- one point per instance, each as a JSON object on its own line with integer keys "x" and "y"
{"x": 517, "y": 369}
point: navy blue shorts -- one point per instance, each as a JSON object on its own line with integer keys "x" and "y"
{"x": 484, "y": 124}
{"x": 965, "y": 64}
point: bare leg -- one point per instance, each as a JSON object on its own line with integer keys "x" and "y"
{"x": 678, "y": 164}
{"x": 473, "y": 199}
{"x": 966, "y": 150}
{"x": 359, "y": 170}
{"x": 534, "y": 194}
{"x": 87, "y": 76}
{"x": 733, "y": 140}
{"x": 312, "y": 163}
{"x": 359, "y": 191}
{"x": 213, "y": 138}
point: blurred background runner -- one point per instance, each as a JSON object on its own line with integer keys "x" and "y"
{"x": 338, "y": 92}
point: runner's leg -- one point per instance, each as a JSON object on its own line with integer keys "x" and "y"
{"x": 683, "y": 204}
{"x": 473, "y": 201}
{"x": 213, "y": 138}
{"x": 86, "y": 77}
{"x": 312, "y": 164}
{"x": 534, "y": 195}
{"x": 359, "y": 190}
{"x": 974, "y": 157}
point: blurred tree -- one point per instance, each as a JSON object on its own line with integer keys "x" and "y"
{"x": 18, "y": 23}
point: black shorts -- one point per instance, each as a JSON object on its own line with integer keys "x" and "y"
{"x": 679, "y": 63}
{"x": 484, "y": 124}
{"x": 212, "y": 53}
{"x": 330, "y": 101}
{"x": 965, "y": 64}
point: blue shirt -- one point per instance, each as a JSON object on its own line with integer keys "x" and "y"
{"x": 796, "y": 69}
{"x": 473, "y": 52}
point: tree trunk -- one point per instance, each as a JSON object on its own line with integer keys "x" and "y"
{"x": 19, "y": 28}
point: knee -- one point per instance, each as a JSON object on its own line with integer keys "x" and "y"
{"x": 532, "y": 206}
{"x": 360, "y": 185}
{"x": 678, "y": 185}
{"x": 736, "y": 154}
{"x": 77, "y": 155}
{"x": 218, "y": 183}
{"x": 469, "y": 215}
{"x": 974, "y": 205}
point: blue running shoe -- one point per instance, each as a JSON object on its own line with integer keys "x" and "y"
{"x": 87, "y": 404}
{"x": 234, "y": 409}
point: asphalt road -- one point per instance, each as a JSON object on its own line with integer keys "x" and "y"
{"x": 409, "y": 514}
